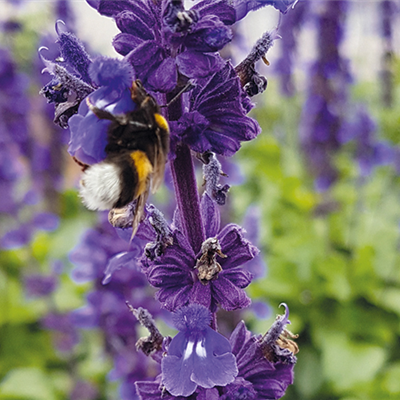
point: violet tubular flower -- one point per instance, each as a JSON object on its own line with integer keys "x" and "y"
{"x": 197, "y": 355}
{"x": 89, "y": 133}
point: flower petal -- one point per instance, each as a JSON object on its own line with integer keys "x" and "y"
{"x": 196, "y": 64}
{"x": 238, "y": 249}
{"x": 228, "y": 295}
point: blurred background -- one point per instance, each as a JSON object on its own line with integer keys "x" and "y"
{"x": 318, "y": 191}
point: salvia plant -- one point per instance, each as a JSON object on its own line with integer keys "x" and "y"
{"x": 173, "y": 100}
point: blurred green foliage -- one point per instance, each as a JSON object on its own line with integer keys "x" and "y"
{"x": 333, "y": 257}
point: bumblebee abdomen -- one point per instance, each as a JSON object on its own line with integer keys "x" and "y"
{"x": 101, "y": 186}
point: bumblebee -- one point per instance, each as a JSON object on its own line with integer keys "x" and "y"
{"x": 136, "y": 152}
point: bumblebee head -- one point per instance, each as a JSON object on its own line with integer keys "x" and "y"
{"x": 101, "y": 186}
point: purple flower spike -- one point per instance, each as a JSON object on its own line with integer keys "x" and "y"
{"x": 197, "y": 355}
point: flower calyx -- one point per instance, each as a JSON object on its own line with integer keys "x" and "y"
{"x": 150, "y": 344}
{"x": 276, "y": 344}
{"x": 252, "y": 82}
{"x": 211, "y": 175}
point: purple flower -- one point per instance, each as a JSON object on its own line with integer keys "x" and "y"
{"x": 163, "y": 43}
{"x": 70, "y": 83}
{"x": 289, "y": 30}
{"x": 195, "y": 265}
{"x": 197, "y": 355}
{"x": 216, "y": 120}
{"x": 209, "y": 278}
{"x": 243, "y": 7}
{"x": 65, "y": 335}
{"x": 265, "y": 363}
{"x": 73, "y": 53}
{"x": 40, "y": 285}
{"x": 323, "y": 110}
{"x": 89, "y": 133}
{"x": 370, "y": 152}
{"x": 13, "y": 104}
{"x": 111, "y": 263}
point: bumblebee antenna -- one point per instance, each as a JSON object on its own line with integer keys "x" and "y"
{"x": 186, "y": 88}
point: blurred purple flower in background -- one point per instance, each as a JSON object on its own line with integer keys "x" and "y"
{"x": 324, "y": 108}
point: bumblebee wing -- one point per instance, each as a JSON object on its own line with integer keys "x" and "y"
{"x": 138, "y": 214}
{"x": 161, "y": 150}
{"x": 159, "y": 166}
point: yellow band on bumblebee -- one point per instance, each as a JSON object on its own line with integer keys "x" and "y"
{"x": 161, "y": 121}
{"x": 143, "y": 168}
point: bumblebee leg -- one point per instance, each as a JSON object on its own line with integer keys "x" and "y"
{"x": 98, "y": 112}
{"x": 138, "y": 126}
{"x": 83, "y": 166}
